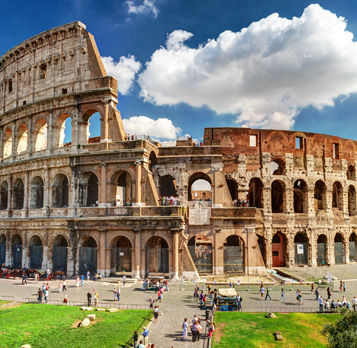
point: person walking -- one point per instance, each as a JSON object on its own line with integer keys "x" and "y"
{"x": 268, "y": 294}
{"x": 354, "y": 303}
{"x": 328, "y": 293}
{"x": 96, "y": 299}
{"x": 46, "y": 295}
{"x": 135, "y": 339}
{"x": 89, "y": 298}
{"x": 312, "y": 288}
{"x": 77, "y": 282}
{"x": 317, "y": 293}
{"x": 184, "y": 329}
{"x": 124, "y": 280}
{"x": 39, "y": 295}
{"x": 88, "y": 275}
{"x": 64, "y": 285}
{"x": 321, "y": 304}
{"x": 344, "y": 287}
{"x": 82, "y": 280}
{"x": 156, "y": 314}
{"x": 341, "y": 285}
{"x": 300, "y": 297}
{"x": 145, "y": 334}
{"x": 282, "y": 296}
{"x": 60, "y": 286}
{"x": 118, "y": 294}
{"x": 327, "y": 306}
{"x": 262, "y": 290}
{"x": 194, "y": 331}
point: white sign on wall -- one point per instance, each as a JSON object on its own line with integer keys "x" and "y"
{"x": 300, "y": 249}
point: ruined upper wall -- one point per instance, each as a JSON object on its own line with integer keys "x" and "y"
{"x": 62, "y": 60}
{"x": 279, "y": 143}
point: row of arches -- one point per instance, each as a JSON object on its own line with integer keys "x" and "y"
{"x": 17, "y": 141}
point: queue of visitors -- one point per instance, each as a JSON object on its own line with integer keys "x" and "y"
{"x": 240, "y": 203}
{"x": 165, "y": 200}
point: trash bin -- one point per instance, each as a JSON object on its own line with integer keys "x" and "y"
{"x": 207, "y": 314}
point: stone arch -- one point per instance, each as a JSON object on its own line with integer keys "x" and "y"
{"x": 88, "y": 255}
{"x": 156, "y": 255}
{"x": 337, "y": 195}
{"x": 205, "y": 192}
{"x": 234, "y": 254}
{"x": 60, "y": 253}
{"x": 277, "y": 166}
{"x": 2, "y": 249}
{"x": 300, "y": 196}
{"x": 233, "y": 188}
{"x": 88, "y": 190}
{"x": 301, "y": 241}
{"x": 339, "y": 249}
{"x": 201, "y": 249}
{"x": 4, "y": 193}
{"x": 36, "y": 252}
{"x": 121, "y": 188}
{"x": 60, "y": 191}
{"x": 352, "y": 247}
{"x": 7, "y": 150}
{"x": 320, "y": 195}
{"x": 351, "y": 172}
{"x": 168, "y": 186}
{"x": 279, "y": 249}
{"x": 91, "y": 136}
{"x": 152, "y": 161}
{"x": 16, "y": 243}
{"x": 18, "y": 194}
{"x": 40, "y": 134}
{"x": 322, "y": 250}
{"x": 255, "y": 193}
{"x": 278, "y": 196}
{"x": 36, "y": 196}
{"x": 61, "y": 136}
{"x": 121, "y": 260}
{"x": 351, "y": 200}
{"x": 22, "y": 139}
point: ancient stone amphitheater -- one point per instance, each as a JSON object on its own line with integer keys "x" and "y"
{"x": 272, "y": 198}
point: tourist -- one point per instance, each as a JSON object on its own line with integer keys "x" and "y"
{"x": 321, "y": 305}
{"x": 344, "y": 301}
{"x": 185, "y": 328}
{"x": 341, "y": 285}
{"x": 65, "y": 300}
{"x": 46, "y": 295}
{"x": 333, "y": 305}
{"x": 327, "y": 306}
{"x": 156, "y": 314}
{"x": 88, "y": 275}
{"x": 317, "y": 293}
{"x": 118, "y": 294}
{"x": 124, "y": 280}
{"x": 95, "y": 277}
{"x": 39, "y": 295}
{"x": 344, "y": 287}
{"x": 339, "y": 304}
{"x": 96, "y": 299}
{"x": 239, "y": 300}
{"x": 199, "y": 330}
{"x": 267, "y": 294}
{"x": 36, "y": 277}
{"x": 282, "y": 296}
{"x": 262, "y": 290}
{"x": 141, "y": 345}
{"x": 43, "y": 287}
{"x": 194, "y": 331}
{"x": 89, "y": 298}
{"x": 145, "y": 334}
{"x": 60, "y": 286}
{"x": 64, "y": 285}
{"x": 328, "y": 293}
{"x": 135, "y": 339}
{"x": 312, "y": 288}
{"x": 115, "y": 294}
{"x": 348, "y": 305}
{"x": 300, "y": 297}
{"x": 195, "y": 296}
{"x": 82, "y": 280}
{"x": 77, "y": 282}
{"x": 354, "y": 303}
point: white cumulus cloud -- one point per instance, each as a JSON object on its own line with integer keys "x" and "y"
{"x": 124, "y": 71}
{"x": 266, "y": 73}
{"x": 146, "y": 6}
{"x": 162, "y": 128}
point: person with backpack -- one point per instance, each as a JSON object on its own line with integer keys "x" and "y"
{"x": 239, "y": 300}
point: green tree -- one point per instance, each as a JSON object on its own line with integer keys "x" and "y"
{"x": 344, "y": 332}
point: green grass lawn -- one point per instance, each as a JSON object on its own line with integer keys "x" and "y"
{"x": 241, "y": 330}
{"x": 52, "y": 326}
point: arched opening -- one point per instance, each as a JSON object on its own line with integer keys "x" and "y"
{"x": 200, "y": 248}
{"x": 88, "y": 256}
{"x": 320, "y": 195}
{"x": 22, "y": 142}
{"x": 255, "y": 193}
{"x": 36, "y": 252}
{"x": 277, "y": 167}
{"x": 233, "y": 255}
{"x": 17, "y": 251}
{"x": 18, "y": 199}
{"x": 301, "y": 249}
{"x": 338, "y": 249}
{"x": 156, "y": 256}
{"x": 2, "y": 250}
{"x": 64, "y": 131}
{"x": 168, "y": 186}
{"x": 199, "y": 187}
{"x": 262, "y": 247}
{"x": 300, "y": 196}
{"x": 4, "y": 195}
{"x": 152, "y": 161}
{"x": 60, "y": 191}
{"x": 278, "y": 196}
{"x": 59, "y": 255}
{"x": 7, "y": 143}
{"x": 121, "y": 256}
{"x": 337, "y": 196}
{"x": 351, "y": 200}
{"x": 36, "y": 198}
{"x": 40, "y": 135}
{"x": 322, "y": 250}
{"x": 124, "y": 187}
{"x": 88, "y": 190}
{"x": 92, "y": 117}
{"x": 233, "y": 188}
{"x": 279, "y": 249}
{"x": 352, "y": 245}
{"x": 351, "y": 173}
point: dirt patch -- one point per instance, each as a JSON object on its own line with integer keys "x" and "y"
{"x": 76, "y": 323}
{"x": 10, "y": 305}
{"x": 219, "y": 332}
{"x": 92, "y": 322}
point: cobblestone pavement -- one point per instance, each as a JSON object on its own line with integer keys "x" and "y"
{"x": 178, "y": 304}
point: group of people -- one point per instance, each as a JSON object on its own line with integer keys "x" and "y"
{"x": 169, "y": 200}
{"x": 240, "y": 203}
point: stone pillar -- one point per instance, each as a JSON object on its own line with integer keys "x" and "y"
{"x": 102, "y": 248}
{"x": 268, "y": 248}
{"x": 8, "y": 250}
{"x": 289, "y": 201}
{"x": 104, "y": 122}
{"x": 108, "y": 256}
{"x": 103, "y": 185}
{"x": 137, "y": 202}
{"x": 311, "y": 201}
{"x": 175, "y": 253}
{"x": 47, "y": 196}
{"x": 45, "y": 257}
{"x": 312, "y": 247}
{"x": 137, "y": 232}
{"x": 267, "y": 199}
{"x": 14, "y": 142}
{"x": 218, "y": 256}
{"x": 346, "y": 245}
{"x": 215, "y": 168}
{"x": 73, "y": 195}
{"x": 50, "y": 133}
{"x": 25, "y": 260}
{"x": 26, "y": 192}
{"x": 345, "y": 202}
{"x": 291, "y": 249}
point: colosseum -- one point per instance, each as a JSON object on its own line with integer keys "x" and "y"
{"x": 271, "y": 199}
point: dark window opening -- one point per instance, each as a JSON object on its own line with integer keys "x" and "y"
{"x": 336, "y": 152}
{"x": 43, "y": 72}
{"x": 64, "y": 90}
{"x": 10, "y": 86}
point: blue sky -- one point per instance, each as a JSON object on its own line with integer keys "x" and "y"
{"x": 186, "y": 65}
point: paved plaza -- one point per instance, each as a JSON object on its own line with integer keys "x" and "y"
{"x": 178, "y": 304}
